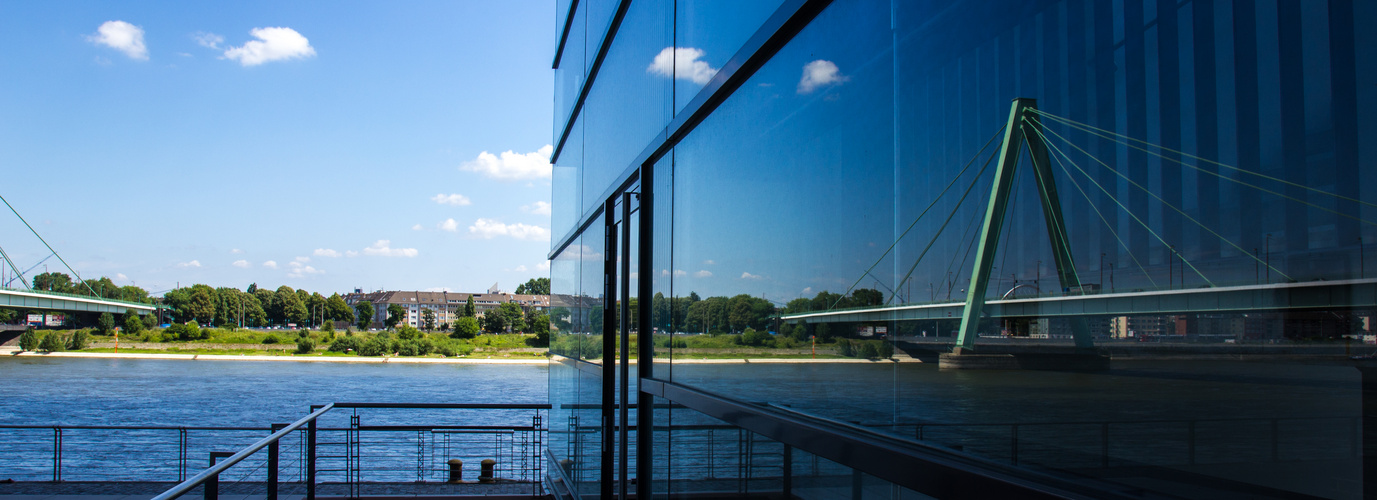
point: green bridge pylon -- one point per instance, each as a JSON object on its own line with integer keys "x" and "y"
{"x": 1023, "y": 128}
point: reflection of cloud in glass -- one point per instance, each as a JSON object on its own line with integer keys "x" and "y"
{"x": 749, "y": 276}
{"x": 682, "y": 63}
{"x": 819, "y": 73}
{"x": 702, "y": 274}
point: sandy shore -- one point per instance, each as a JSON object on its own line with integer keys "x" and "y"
{"x": 309, "y": 359}
{"x": 370, "y": 359}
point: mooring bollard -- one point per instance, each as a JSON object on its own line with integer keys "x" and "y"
{"x": 456, "y": 470}
{"x": 485, "y": 475}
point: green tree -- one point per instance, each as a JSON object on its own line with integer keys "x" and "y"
{"x": 134, "y": 294}
{"x": 54, "y": 282}
{"x": 336, "y": 309}
{"x": 465, "y": 328}
{"x": 7, "y": 315}
{"x": 539, "y": 324}
{"x": 105, "y": 324}
{"x": 253, "y": 287}
{"x": 52, "y": 342}
{"x": 395, "y": 315}
{"x": 317, "y": 306}
{"x": 29, "y": 340}
{"x": 494, "y": 322}
{"x": 428, "y": 319}
{"x": 867, "y": 297}
{"x": 363, "y": 314}
{"x": 201, "y": 306}
{"x": 535, "y": 286}
{"x": 469, "y": 310}
{"x": 823, "y": 332}
{"x": 406, "y": 332}
{"x": 512, "y": 316}
{"x": 132, "y": 324}
{"x": 79, "y": 340}
{"x": 328, "y": 326}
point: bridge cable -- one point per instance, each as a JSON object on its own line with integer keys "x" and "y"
{"x": 1104, "y": 133}
{"x": 1008, "y": 233}
{"x": 1127, "y": 250}
{"x": 1236, "y": 181}
{"x": 943, "y": 227}
{"x": 1173, "y": 207}
{"x": 965, "y": 235}
{"x": 1126, "y": 210}
{"x": 17, "y": 274}
{"x": 1150, "y": 193}
{"x": 923, "y": 213}
{"x": 50, "y": 248}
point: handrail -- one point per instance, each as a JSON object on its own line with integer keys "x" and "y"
{"x": 215, "y": 470}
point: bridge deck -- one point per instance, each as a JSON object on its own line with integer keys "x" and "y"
{"x": 1313, "y": 295}
{"x": 32, "y": 299}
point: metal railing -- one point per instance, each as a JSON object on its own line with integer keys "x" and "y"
{"x": 414, "y": 443}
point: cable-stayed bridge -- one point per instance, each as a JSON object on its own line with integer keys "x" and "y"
{"x": 1052, "y": 156}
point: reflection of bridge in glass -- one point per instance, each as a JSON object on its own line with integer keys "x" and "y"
{"x": 1025, "y": 129}
{"x": 1315, "y": 295}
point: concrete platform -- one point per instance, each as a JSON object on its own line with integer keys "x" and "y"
{"x": 1070, "y": 361}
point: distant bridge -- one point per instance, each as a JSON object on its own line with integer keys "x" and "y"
{"x": 53, "y": 301}
{"x": 1312, "y": 295}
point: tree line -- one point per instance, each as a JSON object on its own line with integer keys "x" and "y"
{"x": 717, "y": 314}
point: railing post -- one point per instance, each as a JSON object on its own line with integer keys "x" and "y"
{"x": 273, "y": 458}
{"x": 311, "y": 460}
{"x": 212, "y": 485}
{"x": 788, "y": 471}
{"x": 1104, "y": 445}
{"x": 1190, "y": 444}
{"x": 1276, "y": 452}
{"x": 1013, "y": 443}
{"x": 57, "y": 454}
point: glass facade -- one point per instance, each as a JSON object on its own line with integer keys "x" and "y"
{"x": 778, "y": 208}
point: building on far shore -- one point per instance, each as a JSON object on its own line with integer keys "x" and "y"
{"x": 448, "y": 306}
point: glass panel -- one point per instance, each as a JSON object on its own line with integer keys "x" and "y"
{"x": 567, "y": 186}
{"x": 708, "y": 33}
{"x": 570, "y": 73}
{"x": 630, "y": 104}
{"x": 667, "y": 308}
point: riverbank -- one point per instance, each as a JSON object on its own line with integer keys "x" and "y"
{"x": 309, "y": 359}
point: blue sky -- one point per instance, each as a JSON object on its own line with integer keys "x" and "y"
{"x": 325, "y": 146}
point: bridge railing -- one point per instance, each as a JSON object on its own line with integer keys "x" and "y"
{"x": 84, "y": 297}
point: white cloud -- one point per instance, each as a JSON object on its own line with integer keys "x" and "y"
{"x": 208, "y": 40}
{"x": 299, "y": 269}
{"x": 450, "y": 225}
{"x": 807, "y": 290}
{"x": 121, "y": 276}
{"x": 301, "y": 259}
{"x": 701, "y": 274}
{"x": 121, "y": 36}
{"x": 520, "y": 269}
{"x": 194, "y": 263}
{"x": 241, "y": 263}
{"x": 270, "y": 264}
{"x": 488, "y": 229}
{"x": 749, "y": 276}
{"x": 709, "y": 262}
{"x": 512, "y": 166}
{"x": 457, "y": 200}
{"x": 326, "y": 252}
{"x": 236, "y": 251}
{"x": 682, "y": 63}
{"x": 679, "y": 273}
{"x": 383, "y": 248}
{"x": 350, "y": 253}
{"x": 819, "y": 73}
{"x": 543, "y": 266}
{"x": 417, "y": 227}
{"x": 272, "y": 44}
{"x": 538, "y": 208}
